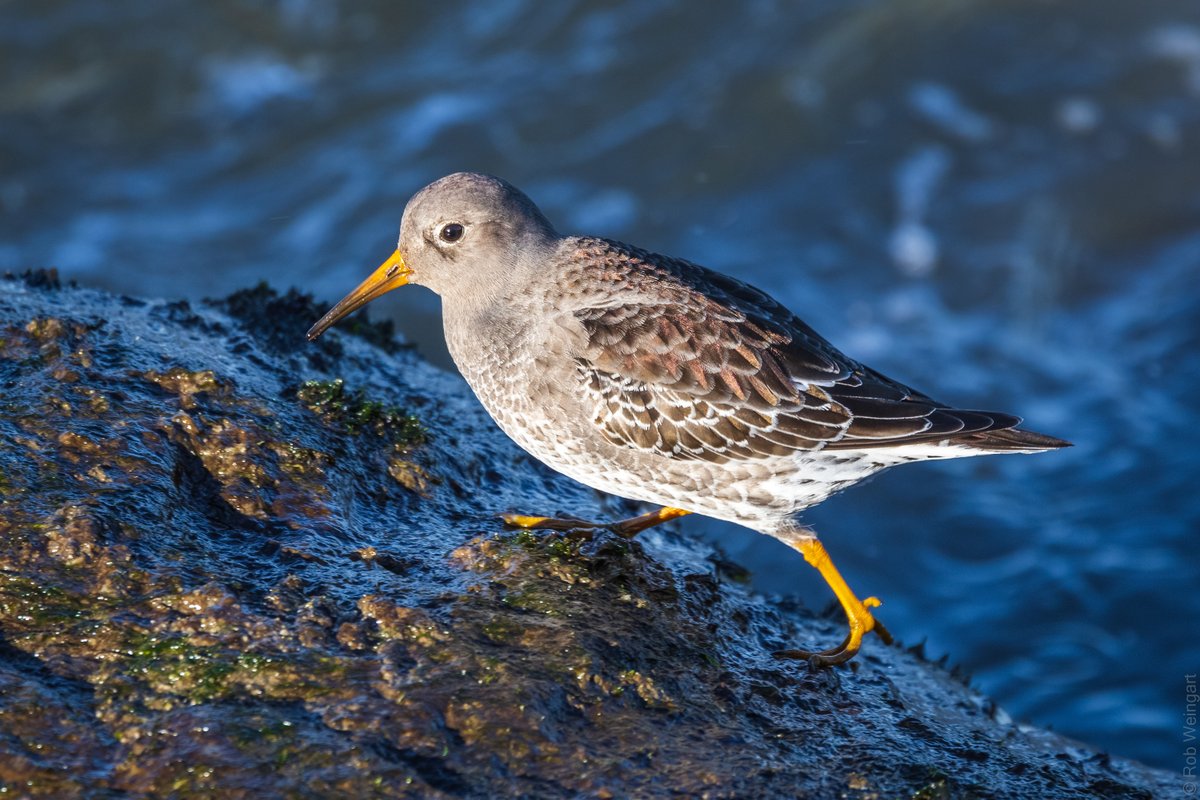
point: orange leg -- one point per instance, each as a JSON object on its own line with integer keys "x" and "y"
{"x": 858, "y": 612}
{"x": 627, "y": 528}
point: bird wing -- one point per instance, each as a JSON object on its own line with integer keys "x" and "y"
{"x": 695, "y": 365}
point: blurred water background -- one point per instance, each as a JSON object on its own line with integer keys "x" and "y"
{"x": 997, "y": 201}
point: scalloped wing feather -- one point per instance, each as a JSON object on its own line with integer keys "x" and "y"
{"x": 695, "y": 365}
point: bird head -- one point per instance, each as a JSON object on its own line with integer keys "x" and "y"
{"x": 464, "y": 236}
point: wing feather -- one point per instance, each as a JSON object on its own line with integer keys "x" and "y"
{"x": 695, "y": 365}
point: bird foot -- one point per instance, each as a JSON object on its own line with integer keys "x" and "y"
{"x": 572, "y": 527}
{"x": 625, "y": 528}
{"x": 862, "y": 622}
{"x": 531, "y": 522}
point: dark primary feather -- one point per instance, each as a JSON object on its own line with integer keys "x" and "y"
{"x": 696, "y": 365}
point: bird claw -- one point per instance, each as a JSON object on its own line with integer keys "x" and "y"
{"x": 625, "y": 528}
{"x": 864, "y": 623}
{"x": 821, "y": 658}
{"x": 529, "y": 522}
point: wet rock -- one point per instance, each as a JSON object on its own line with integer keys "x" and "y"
{"x": 235, "y": 565}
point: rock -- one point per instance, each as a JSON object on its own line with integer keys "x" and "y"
{"x": 236, "y": 564}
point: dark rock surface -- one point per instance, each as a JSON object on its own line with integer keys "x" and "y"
{"x": 235, "y": 564}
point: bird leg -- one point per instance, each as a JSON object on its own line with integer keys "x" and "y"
{"x": 858, "y": 612}
{"x": 627, "y": 528}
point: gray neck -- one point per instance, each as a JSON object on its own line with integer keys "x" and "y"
{"x": 486, "y": 327}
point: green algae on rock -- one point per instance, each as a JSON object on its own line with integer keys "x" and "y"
{"x": 232, "y": 565}
{"x": 355, "y": 413}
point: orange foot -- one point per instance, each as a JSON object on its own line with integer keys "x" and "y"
{"x": 858, "y": 612}
{"x": 627, "y": 528}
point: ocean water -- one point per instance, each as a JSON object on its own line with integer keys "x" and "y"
{"x": 997, "y": 202}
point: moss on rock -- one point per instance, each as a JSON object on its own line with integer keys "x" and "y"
{"x": 353, "y": 412}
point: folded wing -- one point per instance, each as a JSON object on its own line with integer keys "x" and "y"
{"x": 695, "y": 365}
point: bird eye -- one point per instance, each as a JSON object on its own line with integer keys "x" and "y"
{"x": 452, "y": 232}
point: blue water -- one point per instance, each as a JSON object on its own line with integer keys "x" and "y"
{"x": 997, "y": 202}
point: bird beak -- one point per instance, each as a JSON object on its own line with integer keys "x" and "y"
{"x": 391, "y": 274}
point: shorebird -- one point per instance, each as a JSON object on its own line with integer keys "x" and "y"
{"x": 659, "y": 380}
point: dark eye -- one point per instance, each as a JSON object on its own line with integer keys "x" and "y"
{"x": 452, "y": 232}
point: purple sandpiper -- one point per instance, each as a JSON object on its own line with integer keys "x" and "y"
{"x": 658, "y": 380}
